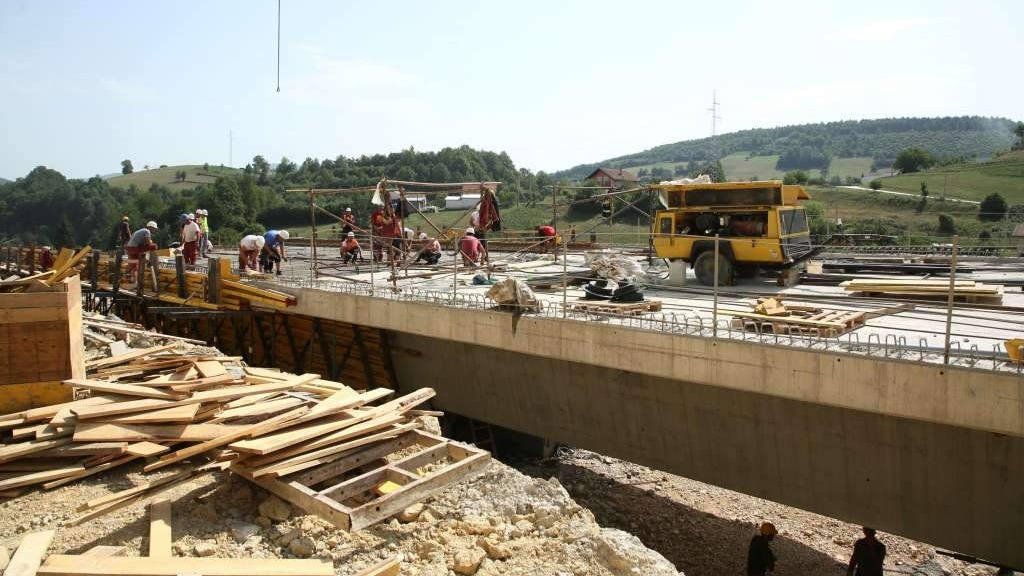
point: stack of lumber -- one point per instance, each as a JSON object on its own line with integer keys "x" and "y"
{"x": 967, "y": 290}
{"x": 67, "y": 263}
{"x": 114, "y": 333}
{"x": 156, "y": 402}
{"x": 772, "y": 315}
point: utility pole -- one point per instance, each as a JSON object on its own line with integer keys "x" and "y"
{"x": 714, "y": 126}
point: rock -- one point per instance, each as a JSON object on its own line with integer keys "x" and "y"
{"x": 477, "y": 525}
{"x": 426, "y": 516}
{"x": 302, "y": 547}
{"x": 411, "y": 513}
{"x": 275, "y": 509}
{"x": 495, "y": 550}
{"x": 204, "y": 549}
{"x": 180, "y": 548}
{"x": 284, "y": 535}
{"x": 263, "y": 521}
{"x": 468, "y": 561}
{"x": 623, "y": 553}
{"x": 524, "y": 526}
{"x": 242, "y": 531}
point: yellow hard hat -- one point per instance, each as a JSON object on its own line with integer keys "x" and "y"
{"x": 768, "y": 529}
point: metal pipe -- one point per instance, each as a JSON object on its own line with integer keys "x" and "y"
{"x": 714, "y": 312}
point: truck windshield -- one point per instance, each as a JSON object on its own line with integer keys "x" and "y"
{"x": 793, "y": 222}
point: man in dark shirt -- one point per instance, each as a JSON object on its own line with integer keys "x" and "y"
{"x": 124, "y": 232}
{"x": 868, "y": 555}
{"x": 760, "y": 559}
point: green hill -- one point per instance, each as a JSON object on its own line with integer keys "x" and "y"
{"x": 195, "y": 175}
{"x": 815, "y": 146}
{"x": 971, "y": 181}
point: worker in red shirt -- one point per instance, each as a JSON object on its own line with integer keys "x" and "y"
{"x": 547, "y": 235}
{"x": 350, "y": 250}
{"x": 471, "y": 248}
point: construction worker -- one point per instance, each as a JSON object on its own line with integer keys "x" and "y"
{"x": 572, "y": 234}
{"x": 204, "y": 226}
{"x": 350, "y": 250}
{"x": 348, "y": 220}
{"x": 606, "y": 208}
{"x": 868, "y": 555}
{"x": 760, "y": 559}
{"x": 190, "y": 235}
{"x": 547, "y": 235}
{"x": 249, "y": 249}
{"x": 274, "y": 247}
{"x": 430, "y": 252}
{"x": 470, "y": 248}
{"x": 140, "y": 243}
{"x": 46, "y": 258}
{"x": 124, "y": 232}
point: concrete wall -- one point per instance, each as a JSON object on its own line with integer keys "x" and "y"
{"x": 976, "y": 399}
{"x": 949, "y": 486}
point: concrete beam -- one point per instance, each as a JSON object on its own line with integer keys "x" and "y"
{"x": 977, "y": 399}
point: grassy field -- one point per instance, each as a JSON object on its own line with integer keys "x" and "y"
{"x": 738, "y": 167}
{"x": 143, "y": 179}
{"x": 1004, "y": 175}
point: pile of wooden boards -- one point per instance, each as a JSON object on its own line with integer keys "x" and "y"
{"x": 66, "y": 264}
{"x": 607, "y": 307}
{"x": 265, "y": 425}
{"x": 771, "y": 315}
{"x": 964, "y": 290}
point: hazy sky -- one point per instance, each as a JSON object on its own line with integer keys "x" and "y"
{"x": 553, "y": 83}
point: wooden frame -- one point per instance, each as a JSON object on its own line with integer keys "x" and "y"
{"x": 454, "y": 462}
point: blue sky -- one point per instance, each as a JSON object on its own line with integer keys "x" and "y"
{"x": 554, "y": 84}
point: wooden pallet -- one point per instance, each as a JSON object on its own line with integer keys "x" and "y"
{"x": 608, "y": 307}
{"x": 802, "y": 320}
{"x": 364, "y": 497}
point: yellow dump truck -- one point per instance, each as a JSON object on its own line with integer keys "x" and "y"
{"x": 759, "y": 225}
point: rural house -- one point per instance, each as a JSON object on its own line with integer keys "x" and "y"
{"x": 611, "y": 177}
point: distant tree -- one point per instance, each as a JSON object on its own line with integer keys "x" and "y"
{"x": 285, "y": 166}
{"x": 876, "y": 184}
{"x": 946, "y": 224}
{"x": 795, "y": 177}
{"x": 854, "y": 181}
{"x": 716, "y": 171}
{"x": 835, "y": 181}
{"x": 985, "y": 235}
{"x": 206, "y": 166}
{"x": 126, "y": 167}
{"x": 993, "y": 207}
{"x": 163, "y": 165}
{"x": 146, "y": 167}
{"x": 924, "y": 190}
{"x": 64, "y": 238}
{"x": 913, "y": 160}
{"x": 1019, "y": 131}
{"x": 262, "y": 167}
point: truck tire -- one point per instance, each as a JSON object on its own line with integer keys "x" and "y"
{"x": 704, "y": 268}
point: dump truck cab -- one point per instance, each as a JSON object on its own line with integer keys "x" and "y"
{"x": 759, "y": 225}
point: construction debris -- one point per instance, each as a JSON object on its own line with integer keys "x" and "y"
{"x": 514, "y": 293}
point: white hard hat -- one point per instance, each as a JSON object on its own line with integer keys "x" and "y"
{"x": 284, "y": 234}
{"x": 192, "y": 216}
{"x": 423, "y": 235}
{"x": 152, "y": 224}
{"x": 351, "y": 235}
{"x": 348, "y": 209}
{"x": 470, "y": 230}
{"x": 261, "y": 241}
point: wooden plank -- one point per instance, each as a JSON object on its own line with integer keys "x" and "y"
{"x": 63, "y": 565}
{"x": 89, "y": 472}
{"x": 261, "y": 409}
{"x": 63, "y": 256}
{"x": 90, "y": 449}
{"x": 116, "y": 360}
{"x": 124, "y": 389}
{"x": 40, "y": 477}
{"x": 125, "y": 494}
{"x": 146, "y": 449}
{"x": 324, "y": 455}
{"x": 218, "y": 395}
{"x": 15, "y": 451}
{"x": 126, "y": 329}
{"x": 160, "y": 529}
{"x": 102, "y": 432}
{"x": 65, "y": 269}
{"x": 25, "y": 562}
{"x": 210, "y": 368}
{"x": 105, "y": 551}
{"x": 244, "y": 432}
{"x": 185, "y": 413}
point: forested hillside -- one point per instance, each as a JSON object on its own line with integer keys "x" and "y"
{"x": 46, "y": 207}
{"x": 815, "y": 146}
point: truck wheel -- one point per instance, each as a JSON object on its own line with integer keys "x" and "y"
{"x": 704, "y": 268}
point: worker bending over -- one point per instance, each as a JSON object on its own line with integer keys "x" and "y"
{"x": 140, "y": 243}
{"x": 350, "y": 250}
{"x": 471, "y": 248}
{"x": 547, "y": 235}
{"x": 430, "y": 251}
{"x": 274, "y": 248}
{"x": 248, "y": 251}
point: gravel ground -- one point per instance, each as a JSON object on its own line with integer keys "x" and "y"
{"x": 704, "y": 530}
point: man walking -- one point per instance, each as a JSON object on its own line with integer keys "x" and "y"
{"x": 760, "y": 558}
{"x": 190, "y": 234}
{"x": 868, "y": 555}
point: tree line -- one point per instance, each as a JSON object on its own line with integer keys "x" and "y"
{"x": 45, "y": 207}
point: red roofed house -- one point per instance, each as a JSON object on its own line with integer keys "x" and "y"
{"x": 611, "y": 177}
